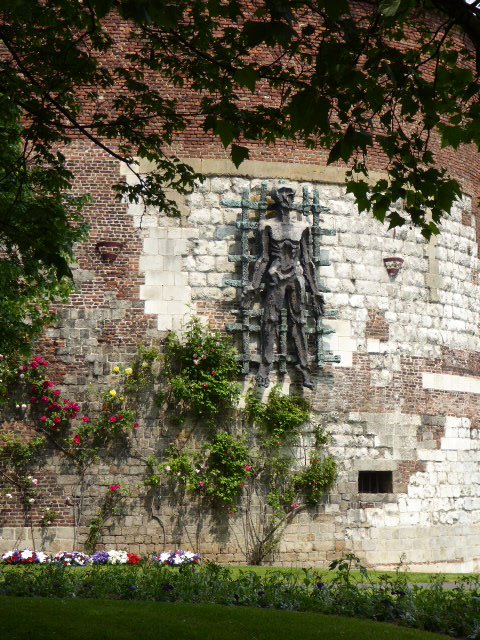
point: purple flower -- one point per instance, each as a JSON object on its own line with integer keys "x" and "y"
{"x": 100, "y": 557}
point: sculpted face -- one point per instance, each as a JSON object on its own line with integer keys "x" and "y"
{"x": 283, "y": 197}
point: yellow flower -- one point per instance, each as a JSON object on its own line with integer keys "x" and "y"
{"x": 116, "y": 369}
{"x": 113, "y": 393}
{"x": 121, "y": 398}
{"x": 128, "y": 371}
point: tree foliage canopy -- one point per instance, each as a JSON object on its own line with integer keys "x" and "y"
{"x": 339, "y": 76}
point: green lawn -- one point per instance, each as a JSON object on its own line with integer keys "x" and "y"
{"x": 51, "y": 619}
{"x": 373, "y": 575}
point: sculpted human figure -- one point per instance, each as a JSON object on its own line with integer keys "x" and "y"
{"x": 289, "y": 272}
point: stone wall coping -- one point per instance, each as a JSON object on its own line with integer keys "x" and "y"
{"x": 263, "y": 169}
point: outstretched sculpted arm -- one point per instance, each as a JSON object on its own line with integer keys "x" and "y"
{"x": 309, "y": 273}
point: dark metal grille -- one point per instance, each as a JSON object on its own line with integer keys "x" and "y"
{"x": 375, "y": 482}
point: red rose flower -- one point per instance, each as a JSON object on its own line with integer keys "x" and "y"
{"x": 136, "y": 425}
{"x": 86, "y": 419}
{"x": 113, "y": 419}
{"x": 77, "y": 439}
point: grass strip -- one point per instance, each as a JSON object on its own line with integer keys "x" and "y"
{"x": 49, "y": 619}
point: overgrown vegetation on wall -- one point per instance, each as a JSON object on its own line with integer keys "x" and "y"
{"x": 265, "y": 463}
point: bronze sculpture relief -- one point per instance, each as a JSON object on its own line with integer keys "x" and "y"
{"x": 286, "y": 266}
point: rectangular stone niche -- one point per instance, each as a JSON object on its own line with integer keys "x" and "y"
{"x": 375, "y": 482}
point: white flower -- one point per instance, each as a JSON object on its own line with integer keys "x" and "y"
{"x": 42, "y": 557}
{"x": 24, "y": 406}
{"x": 117, "y": 557}
{"x": 26, "y": 554}
{"x": 31, "y": 500}
{"x": 9, "y": 496}
{"x": 167, "y": 468}
{"x": 197, "y": 470}
{"x": 34, "y": 481}
{"x": 164, "y": 556}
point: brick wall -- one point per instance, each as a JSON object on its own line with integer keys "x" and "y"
{"x": 404, "y": 398}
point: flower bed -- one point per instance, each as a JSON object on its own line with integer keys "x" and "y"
{"x": 112, "y": 557}
{"x": 24, "y": 557}
{"x": 434, "y": 608}
{"x": 177, "y": 558}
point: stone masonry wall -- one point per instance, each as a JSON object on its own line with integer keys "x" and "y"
{"x": 409, "y": 355}
{"x": 403, "y": 399}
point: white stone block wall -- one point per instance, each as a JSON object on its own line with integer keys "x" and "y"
{"x": 430, "y": 306}
{"x": 185, "y": 264}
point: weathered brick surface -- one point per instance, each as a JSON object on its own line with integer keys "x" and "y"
{"x": 389, "y": 332}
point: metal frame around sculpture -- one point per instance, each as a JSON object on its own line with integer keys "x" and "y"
{"x": 248, "y": 320}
